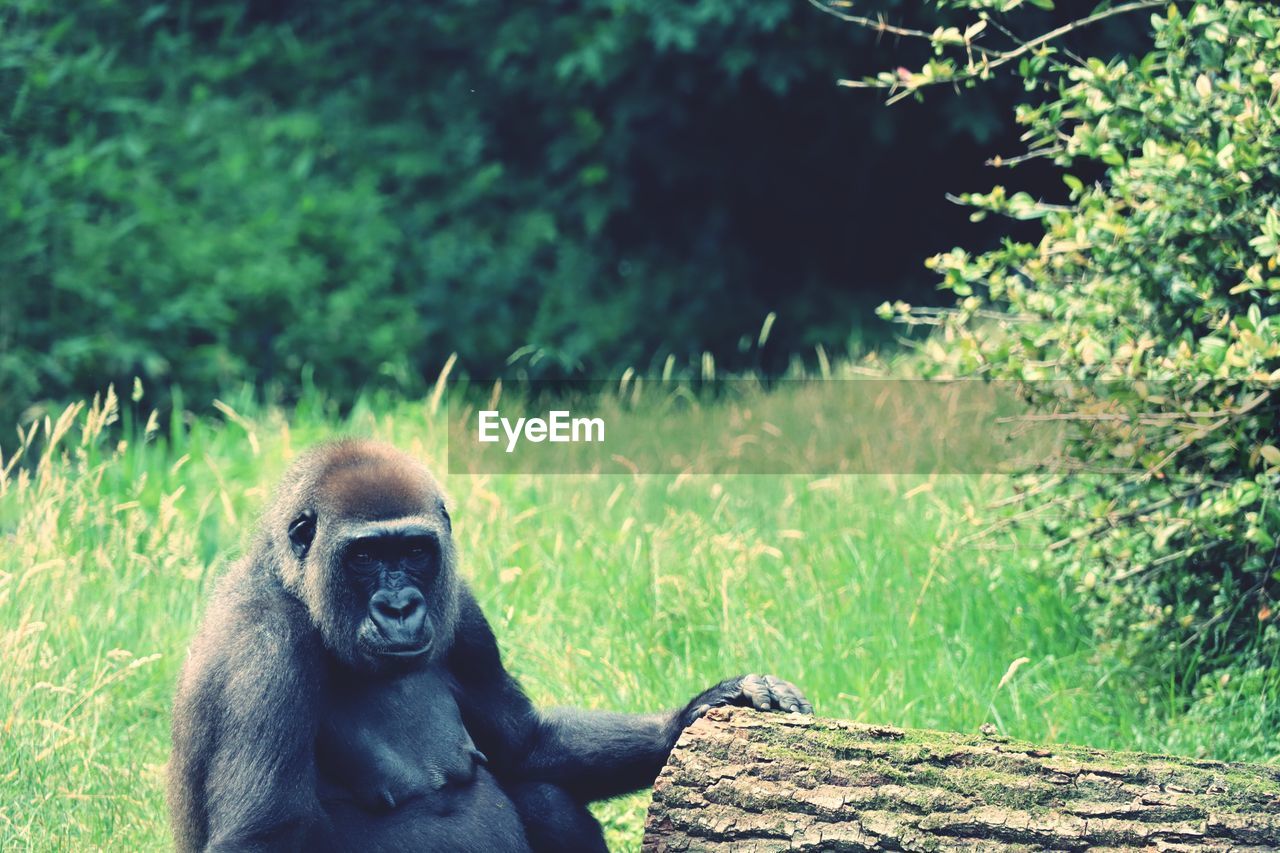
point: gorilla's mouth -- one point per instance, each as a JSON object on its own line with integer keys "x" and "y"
{"x": 374, "y": 643}
{"x": 404, "y": 652}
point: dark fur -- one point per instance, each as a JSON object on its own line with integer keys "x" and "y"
{"x": 292, "y": 730}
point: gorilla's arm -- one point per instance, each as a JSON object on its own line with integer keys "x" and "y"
{"x": 244, "y": 734}
{"x": 592, "y": 754}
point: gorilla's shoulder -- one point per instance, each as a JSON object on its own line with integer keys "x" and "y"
{"x": 475, "y": 649}
{"x": 252, "y": 621}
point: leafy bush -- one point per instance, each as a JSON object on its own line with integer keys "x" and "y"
{"x": 1161, "y": 279}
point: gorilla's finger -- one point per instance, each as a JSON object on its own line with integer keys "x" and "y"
{"x": 756, "y": 690}
{"x": 788, "y": 696}
{"x": 787, "y": 701}
{"x": 777, "y": 693}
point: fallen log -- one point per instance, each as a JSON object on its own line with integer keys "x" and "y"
{"x": 740, "y": 780}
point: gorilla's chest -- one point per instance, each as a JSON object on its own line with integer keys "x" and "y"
{"x": 388, "y": 742}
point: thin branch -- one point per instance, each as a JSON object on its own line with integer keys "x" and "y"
{"x": 1142, "y": 418}
{"x": 1016, "y": 39}
{"x": 1044, "y": 206}
{"x": 1203, "y": 432}
{"x": 991, "y": 59}
{"x": 1203, "y": 629}
{"x": 1020, "y": 497}
{"x": 929, "y": 314}
{"x": 880, "y": 25}
{"x": 1063, "y": 30}
{"x": 1000, "y": 162}
{"x": 1114, "y": 517}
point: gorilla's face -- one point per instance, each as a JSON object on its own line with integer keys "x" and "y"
{"x": 392, "y": 573}
{"x": 372, "y": 559}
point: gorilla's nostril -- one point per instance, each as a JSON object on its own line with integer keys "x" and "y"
{"x": 398, "y": 610}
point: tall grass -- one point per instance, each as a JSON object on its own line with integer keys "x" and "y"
{"x": 615, "y": 592}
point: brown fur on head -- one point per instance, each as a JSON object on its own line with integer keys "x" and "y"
{"x": 338, "y": 489}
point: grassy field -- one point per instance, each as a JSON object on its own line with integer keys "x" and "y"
{"x": 612, "y": 592}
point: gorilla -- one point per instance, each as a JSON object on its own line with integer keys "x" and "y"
{"x": 345, "y": 692}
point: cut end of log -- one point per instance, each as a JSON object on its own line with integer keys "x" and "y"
{"x": 740, "y": 780}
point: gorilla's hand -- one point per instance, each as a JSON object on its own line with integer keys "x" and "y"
{"x": 763, "y": 692}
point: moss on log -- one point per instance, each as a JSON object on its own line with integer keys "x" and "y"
{"x": 740, "y": 780}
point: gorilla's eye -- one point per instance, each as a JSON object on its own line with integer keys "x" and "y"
{"x": 419, "y": 548}
{"x": 361, "y": 556}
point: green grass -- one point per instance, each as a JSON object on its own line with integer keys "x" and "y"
{"x": 628, "y": 593}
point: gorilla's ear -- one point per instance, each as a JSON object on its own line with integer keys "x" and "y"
{"x": 301, "y": 531}
{"x": 444, "y": 513}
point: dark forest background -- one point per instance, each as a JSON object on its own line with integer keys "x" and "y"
{"x": 344, "y": 194}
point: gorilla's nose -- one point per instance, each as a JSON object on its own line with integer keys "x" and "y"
{"x": 399, "y": 614}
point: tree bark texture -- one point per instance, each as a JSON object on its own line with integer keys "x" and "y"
{"x": 740, "y": 780}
